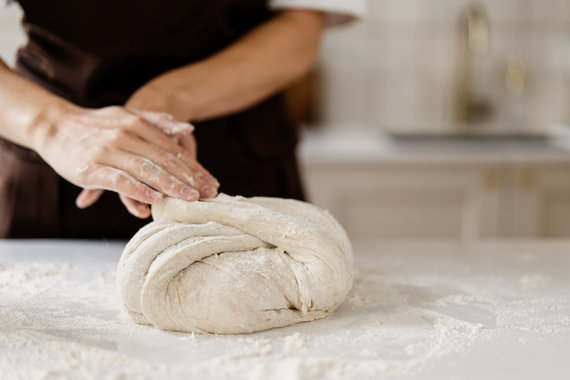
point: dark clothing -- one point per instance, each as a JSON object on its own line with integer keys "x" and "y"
{"x": 96, "y": 54}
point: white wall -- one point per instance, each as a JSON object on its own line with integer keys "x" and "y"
{"x": 395, "y": 69}
{"x": 11, "y": 33}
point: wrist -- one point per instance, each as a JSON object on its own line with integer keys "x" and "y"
{"x": 186, "y": 92}
{"x": 44, "y": 125}
{"x": 183, "y": 104}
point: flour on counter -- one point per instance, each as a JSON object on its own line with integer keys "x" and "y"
{"x": 294, "y": 343}
{"x": 532, "y": 280}
{"x": 24, "y": 280}
{"x": 63, "y": 321}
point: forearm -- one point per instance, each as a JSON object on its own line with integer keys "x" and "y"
{"x": 261, "y": 63}
{"x": 27, "y": 110}
{"x": 109, "y": 148}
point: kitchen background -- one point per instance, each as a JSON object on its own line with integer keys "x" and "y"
{"x": 398, "y": 70}
{"x": 435, "y": 119}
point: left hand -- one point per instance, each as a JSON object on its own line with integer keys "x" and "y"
{"x": 160, "y": 95}
{"x": 142, "y": 210}
{"x": 163, "y": 94}
{"x": 151, "y": 99}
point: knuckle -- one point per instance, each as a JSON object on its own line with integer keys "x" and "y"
{"x": 169, "y": 161}
{"x": 132, "y": 122}
{"x": 101, "y": 152}
{"x": 188, "y": 159}
{"x": 117, "y": 138}
{"x": 138, "y": 119}
{"x": 87, "y": 171}
{"x": 142, "y": 192}
{"x": 113, "y": 108}
{"x": 126, "y": 185}
{"x": 108, "y": 111}
{"x": 146, "y": 167}
{"x": 120, "y": 134}
{"x": 134, "y": 189}
{"x": 137, "y": 122}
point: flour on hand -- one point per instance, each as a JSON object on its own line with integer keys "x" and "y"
{"x": 235, "y": 265}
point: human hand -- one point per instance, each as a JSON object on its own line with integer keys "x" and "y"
{"x": 163, "y": 94}
{"x": 137, "y": 208}
{"x": 119, "y": 150}
{"x": 160, "y": 96}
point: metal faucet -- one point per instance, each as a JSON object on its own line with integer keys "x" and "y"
{"x": 472, "y": 42}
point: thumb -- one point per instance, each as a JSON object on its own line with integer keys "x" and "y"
{"x": 87, "y": 197}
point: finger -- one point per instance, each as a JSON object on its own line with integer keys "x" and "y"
{"x": 87, "y": 197}
{"x": 148, "y": 172}
{"x": 189, "y": 172}
{"x": 166, "y": 123}
{"x": 201, "y": 175}
{"x": 111, "y": 178}
{"x": 151, "y": 134}
{"x": 138, "y": 209}
{"x": 189, "y": 145}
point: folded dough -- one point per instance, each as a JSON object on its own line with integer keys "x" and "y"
{"x": 235, "y": 265}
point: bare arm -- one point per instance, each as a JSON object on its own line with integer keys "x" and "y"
{"x": 261, "y": 63}
{"x": 110, "y": 148}
{"x": 27, "y": 109}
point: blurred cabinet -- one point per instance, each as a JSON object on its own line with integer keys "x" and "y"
{"x": 435, "y": 201}
{"x": 541, "y": 202}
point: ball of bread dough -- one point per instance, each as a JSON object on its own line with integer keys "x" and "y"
{"x": 233, "y": 265}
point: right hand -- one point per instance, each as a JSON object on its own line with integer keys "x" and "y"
{"x": 118, "y": 150}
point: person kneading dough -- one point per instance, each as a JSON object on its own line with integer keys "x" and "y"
{"x": 102, "y": 95}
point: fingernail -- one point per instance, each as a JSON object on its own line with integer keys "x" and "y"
{"x": 209, "y": 192}
{"x": 190, "y": 194}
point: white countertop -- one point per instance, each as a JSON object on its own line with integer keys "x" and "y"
{"x": 324, "y": 147}
{"x": 417, "y": 311}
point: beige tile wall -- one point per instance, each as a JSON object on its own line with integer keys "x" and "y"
{"x": 394, "y": 70}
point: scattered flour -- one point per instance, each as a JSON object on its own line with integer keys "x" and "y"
{"x": 532, "y": 280}
{"x": 294, "y": 343}
{"x": 24, "y": 280}
{"x": 58, "y": 321}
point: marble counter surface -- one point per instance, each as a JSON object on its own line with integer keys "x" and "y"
{"x": 416, "y": 311}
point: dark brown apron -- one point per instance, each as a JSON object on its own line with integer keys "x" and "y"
{"x": 96, "y": 53}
